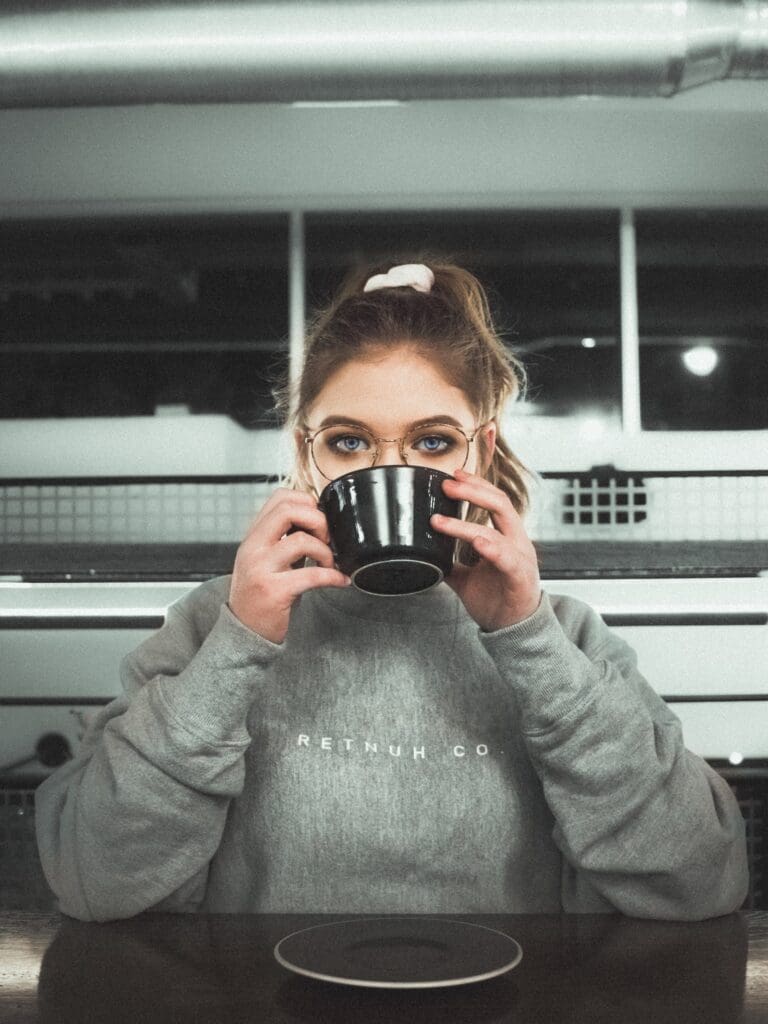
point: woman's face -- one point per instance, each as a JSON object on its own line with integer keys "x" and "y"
{"x": 388, "y": 392}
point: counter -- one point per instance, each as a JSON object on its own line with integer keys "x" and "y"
{"x": 221, "y": 969}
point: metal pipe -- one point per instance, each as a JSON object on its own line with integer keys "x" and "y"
{"x": 349, "y": 50}
{"x": 630, "y": 330}
{"x": 297, "y": 302}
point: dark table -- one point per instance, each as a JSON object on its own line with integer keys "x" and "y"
{"x": 166, "y": 968}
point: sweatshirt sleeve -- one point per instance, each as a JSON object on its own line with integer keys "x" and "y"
{"x": 645, "y": 827}
{"x": 132, "y": 822}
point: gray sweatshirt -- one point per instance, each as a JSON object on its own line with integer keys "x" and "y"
{"x": 388, "y": 757}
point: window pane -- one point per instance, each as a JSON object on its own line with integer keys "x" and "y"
{"x": 128, "y": 318}
{"x": 703, "y": 298}
{"x": 552, "y": 279}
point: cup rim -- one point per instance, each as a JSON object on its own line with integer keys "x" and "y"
{"x": 405, "y": 593}
{"x": 377, "y": 469}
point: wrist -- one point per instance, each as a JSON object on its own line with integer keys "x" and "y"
{"x": 258, "y": 628}
{"x": 516, "y": 616}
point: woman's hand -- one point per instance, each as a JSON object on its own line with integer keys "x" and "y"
{"x": 503, "y": 587}
{"x": 264, "y": 583}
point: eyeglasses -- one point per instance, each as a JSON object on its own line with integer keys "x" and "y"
{"x": 344, "y": 448}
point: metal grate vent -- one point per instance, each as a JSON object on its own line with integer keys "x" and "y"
{"x": 605, "y": 499}
{"x": 22, "y": 883}
{"x": 116, "y": 511}
{"x": 752, "y": 794}
{"x": 614, "y": 505}
{"x": 602, "y": 504}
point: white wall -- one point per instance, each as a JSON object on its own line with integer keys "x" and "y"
{"x": 705, "y": 147}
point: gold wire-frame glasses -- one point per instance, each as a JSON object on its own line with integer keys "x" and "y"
{"x": 400, "y": 441}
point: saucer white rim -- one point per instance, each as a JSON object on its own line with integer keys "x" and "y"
{"x": 364, "y": 983}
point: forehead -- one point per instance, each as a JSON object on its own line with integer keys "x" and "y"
{"x": 397, "y": 388}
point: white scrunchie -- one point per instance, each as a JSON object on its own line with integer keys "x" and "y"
{"x": 407, "y": 275}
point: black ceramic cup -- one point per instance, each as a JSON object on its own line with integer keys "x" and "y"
{"x": 381, "y": 537}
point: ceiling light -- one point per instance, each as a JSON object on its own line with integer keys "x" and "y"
{"x": 700, "y": 360}
{"x": 342, "y": 104}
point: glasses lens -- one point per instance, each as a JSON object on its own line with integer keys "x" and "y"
{"x": 342, "y": 449}
{"x": 438, "y": 445}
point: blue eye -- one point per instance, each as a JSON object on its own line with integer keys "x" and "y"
{"x": 433, "y": 444}
{"x": 347, "y": 444}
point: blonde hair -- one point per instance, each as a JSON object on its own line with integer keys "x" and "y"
{"x": 451, "y": 325}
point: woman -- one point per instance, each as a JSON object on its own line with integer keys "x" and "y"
{"x": 287, "y": 743}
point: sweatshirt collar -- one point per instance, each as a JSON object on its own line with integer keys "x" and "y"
{"x": 441, "y": 604}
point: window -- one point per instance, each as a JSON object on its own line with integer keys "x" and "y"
{"x": 140, "y": 317}
{"x": 552, "y": 278}
{"x": 703, "y": 314}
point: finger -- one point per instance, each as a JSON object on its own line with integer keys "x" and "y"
{"x": 290, "y": 514}
{"x": 462, "y": 529}
{"x": 484, "y": 539}
{"x": 512, "y": 560}
{"x": 489, "y": 495}
{"x": 480, "y": 492}
{"x": 281, "y": 494}
{"x": 297, "y": 546}
{"x": 299, "y": 580}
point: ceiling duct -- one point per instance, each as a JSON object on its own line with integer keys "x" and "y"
{"x": 76, "y": 54}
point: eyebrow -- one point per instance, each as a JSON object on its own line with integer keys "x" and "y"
{"x": 333, "y": 421}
